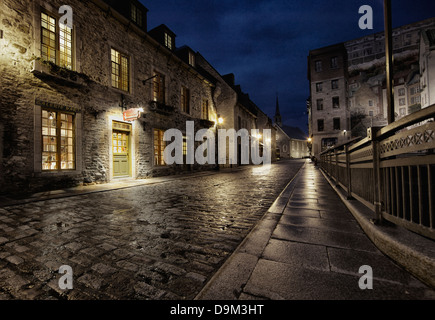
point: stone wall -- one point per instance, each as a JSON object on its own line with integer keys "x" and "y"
{"x": 224, "y": 97}
{"x": 88, "y": 90}
{"x": 283, "y": 144}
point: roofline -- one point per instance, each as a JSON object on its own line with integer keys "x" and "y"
{"x": 141, "y": 33}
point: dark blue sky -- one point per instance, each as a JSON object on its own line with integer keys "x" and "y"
{"x": 265, "y": 43}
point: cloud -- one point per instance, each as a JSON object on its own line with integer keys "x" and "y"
{"x": 265, "y": 43}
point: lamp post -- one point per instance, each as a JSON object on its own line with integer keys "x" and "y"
{"x": 310, "y": 145}
{"x": 389, "y": 60}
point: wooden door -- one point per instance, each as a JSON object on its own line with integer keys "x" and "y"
{"x": 121, "y": 156}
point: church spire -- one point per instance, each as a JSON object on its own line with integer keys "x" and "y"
{"x": 278, "y": 118}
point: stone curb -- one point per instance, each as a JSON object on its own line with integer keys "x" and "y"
{"x": 413, "y": 252}
{"x": 228, "y": 282}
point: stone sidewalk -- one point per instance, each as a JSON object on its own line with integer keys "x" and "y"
{"x": 309, "y": 246}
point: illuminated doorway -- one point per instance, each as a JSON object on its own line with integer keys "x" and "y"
{"x": 121, "y": 149}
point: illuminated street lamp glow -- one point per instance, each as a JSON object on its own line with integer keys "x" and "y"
{"x": 220, "y": 120}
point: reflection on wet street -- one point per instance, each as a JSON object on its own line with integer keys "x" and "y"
{"x": 160, "y": 241}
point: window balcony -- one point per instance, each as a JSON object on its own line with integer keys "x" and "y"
{"x": 64, "y": 76}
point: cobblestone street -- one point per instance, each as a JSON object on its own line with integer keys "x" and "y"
{"x": 160, "y": 241}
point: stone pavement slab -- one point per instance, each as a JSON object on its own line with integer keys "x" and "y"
{"x": 162, "y": 239}
{"x": 311, "y": 248}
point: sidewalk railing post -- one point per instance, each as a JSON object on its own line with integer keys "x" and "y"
{"x": 336, "y": 167}
{"x": 348, "y": 173}
{"x": 371, "y": 133}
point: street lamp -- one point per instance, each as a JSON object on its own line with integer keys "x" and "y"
{"x": 310, "y": 145}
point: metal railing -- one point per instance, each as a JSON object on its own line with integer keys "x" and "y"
{"x": 392, "y": 171}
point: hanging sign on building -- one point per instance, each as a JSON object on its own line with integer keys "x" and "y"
{"x": 131, "y": 114}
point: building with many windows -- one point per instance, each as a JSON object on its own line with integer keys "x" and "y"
{"x": 427, "y": 67}
{"x": 360, "y": 88}
{"x": 91, "y": 103}
{"x": 330, "y": 114}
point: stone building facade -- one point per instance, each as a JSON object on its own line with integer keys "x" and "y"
{"x": 330, "y": 115}
{"x": 366, "y": 51}
{"x": 264, "y": 122}
{"x": 247, "y": 115}
{"x": 365, "y": 83}
{"x": 91, "y": 104}
{"x": 283, "y": 142}
{"x": 427, "y": 67}
{"x": 291, "y": 142}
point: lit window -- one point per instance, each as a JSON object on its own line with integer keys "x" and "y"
{"x": 191, "y": 59}
{"x": 159, "y": 87}
{"x": 136, "y": 15}
{"x": 184, "y": 146}
{"x": 185, "y": 100}
{"x": 57, "y": 141}
{"x": 120, "y": 71}
{"x": 159, "y": 147}
{"x": 120, "y": 142}
{"x": 205, "y": 113}
{"x": 56, "y": 42}
{"x": 168, "y": 41}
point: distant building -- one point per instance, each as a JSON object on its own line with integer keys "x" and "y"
{"x": 330, "y": 114}
{"x": 363, "y": 83}
{"x": 427, "y": 67}
{"x": 291, "y": 142}
{"x": 369, "y": 50}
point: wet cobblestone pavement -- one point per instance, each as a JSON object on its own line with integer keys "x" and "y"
{"x": 158, "y": 242}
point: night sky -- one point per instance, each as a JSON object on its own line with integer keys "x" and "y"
{"x": 265, "y": 43}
